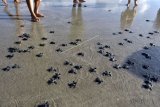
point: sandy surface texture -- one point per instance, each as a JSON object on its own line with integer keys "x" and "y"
{"x": 102, "y": 54}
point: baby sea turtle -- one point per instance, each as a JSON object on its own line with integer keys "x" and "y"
{"x": 120, "y": 33}
{"x": 77, "y": 67}
{"x": 129, "y": 62}
{"x": 145, "y": 47}
{"x": 108, "y": 54}
{"x": 6, "y": 68}
{"x": 80, "y": 54}
{"x": 125, "y": 66}
{"x": 148, "y": 37}
{"x": 12, "y": 50}
{"x": 117, "y": 66}
{"x": 51, "y": 32}
{"x": 78, "y": 40}
{"x": 154, "y": 79}
{"x": 42, "y": 44}
{"x": 63, "y": 45}
{"x": 52, "y": 42}
{"x": 73, "y": 84}
{"x": 17, "y": 42}
{"x": 107, "y": 46}
{"x": 44, "y": 38}
{"x": 114, "y": 34}
{"x": 54, "y": 79}
{"x": 125, "y": 39}
{"x": 25, "y": 50}
{"x": 92, "y": 69}
{"x": 20, "y": 51}
{"x": 46, "y": 104}
{"x": 152, "y": 44}
{"x": 69, "y": 22}
{"x": 147, "y": 82}
{"x": 140, "y": 35}
{"x": 51, "y": 80}
{"x": 106, "y": 73}
{"x": 59, "y": 50}
{"x": 129, "y": 41}
{"x": 98, "y": 43}
{"x": 126, "y": 30}
{"x": 147, "y": 86}
{"x": 121, "y": 44}
{"x": 24, "y": 39}
{"x": 39, "y": 55}
{"x": 56, "y": 76}
{"x": 145, "y": 67}
{"x": 66, "y": 62}
{"x": 101, "y": 48}
{"x": 156, "y": 32}
{"x": 72, "y": 71}
{"x": 100, "y": 51}
{"x": 10, "y": 56}
{"x": 98, "y": 80}
{"x": 147, "y": 56}
{"x": 73, "y": 43}
{"x": 112, "y": 59}
{"x": 150, "y": 33}
{"x": 147, "y": 20}
{"x": 15, "y": 66}
{"x": 26, "y": 35}
{"x": 130, "y": 32}
{"x": 31, "y": 47}
{"x": 51, "y": 69}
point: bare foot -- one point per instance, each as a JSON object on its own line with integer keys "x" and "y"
{"x": 39, "y": 15}
{"x": 74, "y": 5}
{"x": 75, "y": 1}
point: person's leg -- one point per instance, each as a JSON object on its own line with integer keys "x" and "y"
{"x": 30, "y": 5}
{"x": 17, "y": 1}
{"x": 129, "y": 1}
{"x": 82, "y": 1}
{"x": 5, "y": 2}
{"x": 75, "y": 2}
{"x": 36, "y": 8}
{"x": 135, "y": 3}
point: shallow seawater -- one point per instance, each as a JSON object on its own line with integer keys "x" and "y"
{"x": 100, "y": 34}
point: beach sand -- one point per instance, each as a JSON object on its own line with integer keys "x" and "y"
{"x": 97, "y": 21}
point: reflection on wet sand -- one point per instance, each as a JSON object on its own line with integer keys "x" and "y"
{"x": 157, "y": 21}
{"x": 127, "y": 17}
{"x": 37, "y": 30}
{"x": 77, "y": 27}
{"x": 17, "y": 17}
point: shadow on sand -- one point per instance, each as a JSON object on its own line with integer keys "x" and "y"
{"x": 145, "y": 63}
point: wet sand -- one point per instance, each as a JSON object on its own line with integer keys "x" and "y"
{"x": 102, "y": 28}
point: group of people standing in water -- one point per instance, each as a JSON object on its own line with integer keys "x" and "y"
{"x": 33, "y": 6}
